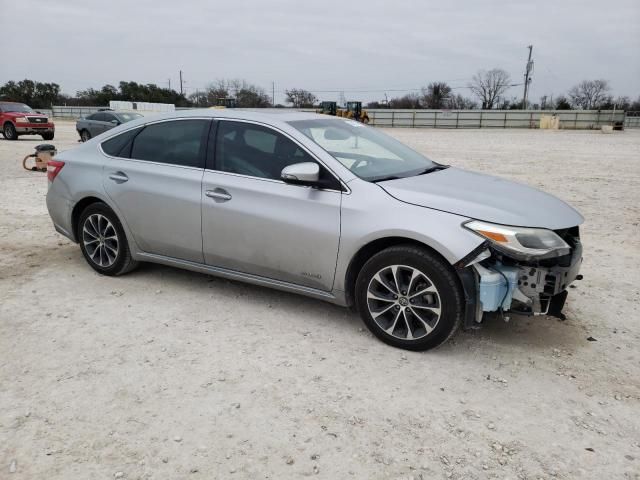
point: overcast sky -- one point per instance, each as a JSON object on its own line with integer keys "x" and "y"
{"x": 364, "y": 47}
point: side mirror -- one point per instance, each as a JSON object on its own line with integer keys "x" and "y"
{"x": 115, "y": 122}
{"x": 306, "y": 173}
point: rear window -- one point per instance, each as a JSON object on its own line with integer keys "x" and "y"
{"x": 127, "y": 117}
{"x": 120, "y": 145}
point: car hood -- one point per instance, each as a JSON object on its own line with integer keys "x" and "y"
{"x": 484, "y": 197}
{"x": 24, "y": 114}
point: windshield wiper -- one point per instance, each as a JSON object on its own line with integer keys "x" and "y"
{"x": 435, "y": 168}
{"x": 384, "y": 179}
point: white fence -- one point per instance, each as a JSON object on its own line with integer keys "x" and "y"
{"x": 73, "y": 112}
{"x": 632, "y": 120}
{"x": 569, "y": 119}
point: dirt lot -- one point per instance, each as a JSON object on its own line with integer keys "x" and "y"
{"x": 169, "y": 374}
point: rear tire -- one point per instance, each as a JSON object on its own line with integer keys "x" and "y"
{"x": 48, "y": 136}
{"x": 9, "y": 131}
{"x": 409, "y": 298}
{"x": 85, "y": 136}
{"x": 103, "y": 241}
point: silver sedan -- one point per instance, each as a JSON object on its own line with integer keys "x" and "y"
{"x": 101, "y": 121}
{"x": 321, "y": 206}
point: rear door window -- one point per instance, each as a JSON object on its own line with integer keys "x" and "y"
{"x": 175, "y": 142}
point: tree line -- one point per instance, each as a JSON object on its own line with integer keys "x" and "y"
{"x": 488, "y": 90}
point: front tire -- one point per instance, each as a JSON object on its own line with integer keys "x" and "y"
{"x": 409, "y": 298}
{"x": 48, "y": 136}
{"x": 9, "y": 131}
{"x": 103, "y": 241}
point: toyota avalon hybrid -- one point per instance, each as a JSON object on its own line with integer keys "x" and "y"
{"x": 321, "y": 206}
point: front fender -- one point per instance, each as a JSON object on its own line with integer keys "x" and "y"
{"x": 369, "y": 214}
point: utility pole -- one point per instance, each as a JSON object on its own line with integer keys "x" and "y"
{"x": 181, "y": 90}
{"x": 273, "y": 94}
{"x": 527, "y": 78}
{"x": 169, "y": 81}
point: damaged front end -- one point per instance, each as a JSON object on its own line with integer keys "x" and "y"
{"x": 519, "y": 270}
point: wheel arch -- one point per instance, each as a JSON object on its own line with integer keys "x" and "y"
{"x": 370, "y": 249}
{"x": 79, "y": 207}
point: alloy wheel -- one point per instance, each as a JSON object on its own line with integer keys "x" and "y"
{"x": 100, "y": 240}
{"x": 403, "y": 302}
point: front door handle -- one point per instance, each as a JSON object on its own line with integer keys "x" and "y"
{"x": 119, "y": 177}
{"x": 218, "y": 194}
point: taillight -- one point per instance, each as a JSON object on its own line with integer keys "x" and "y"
{"x": 53, "y": 169}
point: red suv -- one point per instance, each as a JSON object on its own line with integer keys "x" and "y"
{"x": 19, "y": 119}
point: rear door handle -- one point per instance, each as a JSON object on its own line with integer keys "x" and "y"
{"x": 218, "y": 194}
{"x": 119, "y": 177}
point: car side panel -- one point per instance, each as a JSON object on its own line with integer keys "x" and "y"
{"x": 161, "y": 204}
{"x": 81, "y": 177}
{"x": 268, "y": 228}
{"x": 369, "y": 214}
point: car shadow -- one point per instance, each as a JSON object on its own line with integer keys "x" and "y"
{"x": 269, "y": 297}
{"x": 535, "y": 333}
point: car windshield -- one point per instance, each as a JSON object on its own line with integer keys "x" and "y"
{"x": 127, "y": 117}
{"x": 367, "y": 152}
{"x": 15, "y": 107}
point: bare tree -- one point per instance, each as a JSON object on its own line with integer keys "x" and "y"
{"x": 411, "y": 100}
{"x": 436, "y": 95}
{"x": 300, "y": 98}
{"x": 458, "y": 102}
{"x": 590, "y": 94}
{"x": 561, "y": 103}
{"x": 489, "y": 85}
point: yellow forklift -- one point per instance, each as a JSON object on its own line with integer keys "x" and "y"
{"x": 328, "y": 108}
{"x": 226, "y": 103}
{"x": 353, "y": 111}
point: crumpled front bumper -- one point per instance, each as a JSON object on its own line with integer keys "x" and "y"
{"x": 542, "y": 284}
{"x": 496, "y": 283}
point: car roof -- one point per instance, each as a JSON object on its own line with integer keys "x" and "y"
{"x": 267, "y": 115}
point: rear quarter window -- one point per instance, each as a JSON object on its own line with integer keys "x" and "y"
{"x": 120, "y": 145}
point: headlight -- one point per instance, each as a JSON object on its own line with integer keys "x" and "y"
{"x": 22, "y": 120}
{"x": 521, "y": 242}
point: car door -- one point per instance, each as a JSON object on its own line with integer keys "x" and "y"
{"x": 253, "y": 222}
{"x": 108, "y": 122}
{"x": 87, "y": 123}
{"x": 154, "y": 178}
{"x": 96, "y": 124}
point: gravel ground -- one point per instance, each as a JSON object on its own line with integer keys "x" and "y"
{"x": 166, "y": 373}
